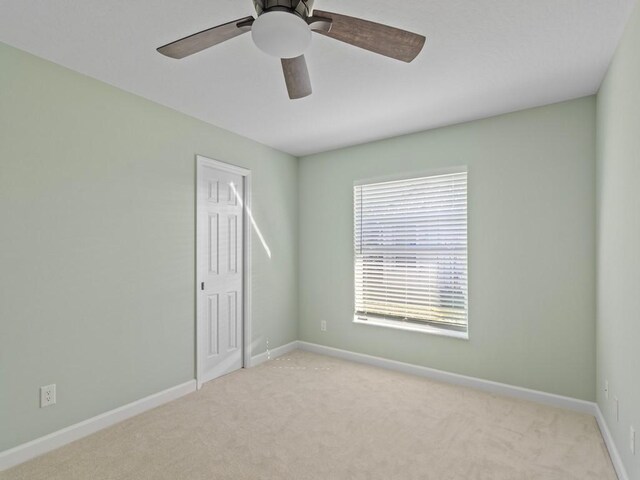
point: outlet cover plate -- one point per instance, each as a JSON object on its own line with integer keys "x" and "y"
{"x": 47, "y": 395}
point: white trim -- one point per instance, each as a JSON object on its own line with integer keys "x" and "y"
{"x": 42, "y": 445}
{"x": 52, "y": 441}
{"x": 430, "y": 172}
{"x": 275, "y": 353}
{"x": 246, "y": 294}
{"x": 227, "y": 167}
{"x": 616, "y": 459}
{"x": 374, "y": 321}
{"x": 559, "y": 401}
{"x": 544, "y": 398}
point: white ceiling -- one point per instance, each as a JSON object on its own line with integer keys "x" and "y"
{"x": 482, "y": 58}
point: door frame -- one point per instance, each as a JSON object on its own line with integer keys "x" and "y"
{"x": 202, "y": 161}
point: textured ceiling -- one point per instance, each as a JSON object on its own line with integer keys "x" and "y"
{"x": 482, "y": 58}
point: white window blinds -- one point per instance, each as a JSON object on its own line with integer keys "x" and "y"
{"x": 410, "y": 241}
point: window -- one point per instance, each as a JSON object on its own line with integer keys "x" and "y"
{"x": 410, "y": 241}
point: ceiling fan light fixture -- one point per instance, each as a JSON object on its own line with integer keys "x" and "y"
{"x": 281, "y": 34}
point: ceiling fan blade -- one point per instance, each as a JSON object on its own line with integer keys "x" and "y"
{"x": 207, "y": 38}
{"x": 296, "y": 76}
{"x": 375, "y": 37}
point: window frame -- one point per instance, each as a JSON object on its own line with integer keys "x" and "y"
{"x": 408, "y": 325}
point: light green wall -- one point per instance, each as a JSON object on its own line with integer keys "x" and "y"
{"x": 97, "y": 244}
{"x": 531, "y": 247}
{"x": 618, "y": 198}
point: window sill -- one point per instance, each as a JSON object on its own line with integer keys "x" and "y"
{"x": 411, "y": 327}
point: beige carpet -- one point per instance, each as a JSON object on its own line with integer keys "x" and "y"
{"x": 307, "y": 416}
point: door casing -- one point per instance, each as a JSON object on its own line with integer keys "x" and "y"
{"x": 202, "y": 161}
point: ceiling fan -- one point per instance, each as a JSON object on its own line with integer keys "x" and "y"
{"x": 283, "y": 29}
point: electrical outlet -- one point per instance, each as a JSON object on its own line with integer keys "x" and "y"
{"x": 606, "y": 389}
{"x": 47, "y": 395}
{"x": 323, "y": 325}
{"x": 616, "y": 407}
{"x": 632, "y": 440}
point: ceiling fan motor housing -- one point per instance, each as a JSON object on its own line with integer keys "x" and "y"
{"x": 301, "y": 8}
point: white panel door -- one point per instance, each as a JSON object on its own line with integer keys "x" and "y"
{"x": 220, "y": 258}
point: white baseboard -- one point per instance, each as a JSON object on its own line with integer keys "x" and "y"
{"x": 47, "y": 443}
{"x": 34, "y": 448}
{"x": 616, "y": 459}
{"x": 274, "y": 353}
{"x": 550, "y": 399}
{"x": 39, "y": 446}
